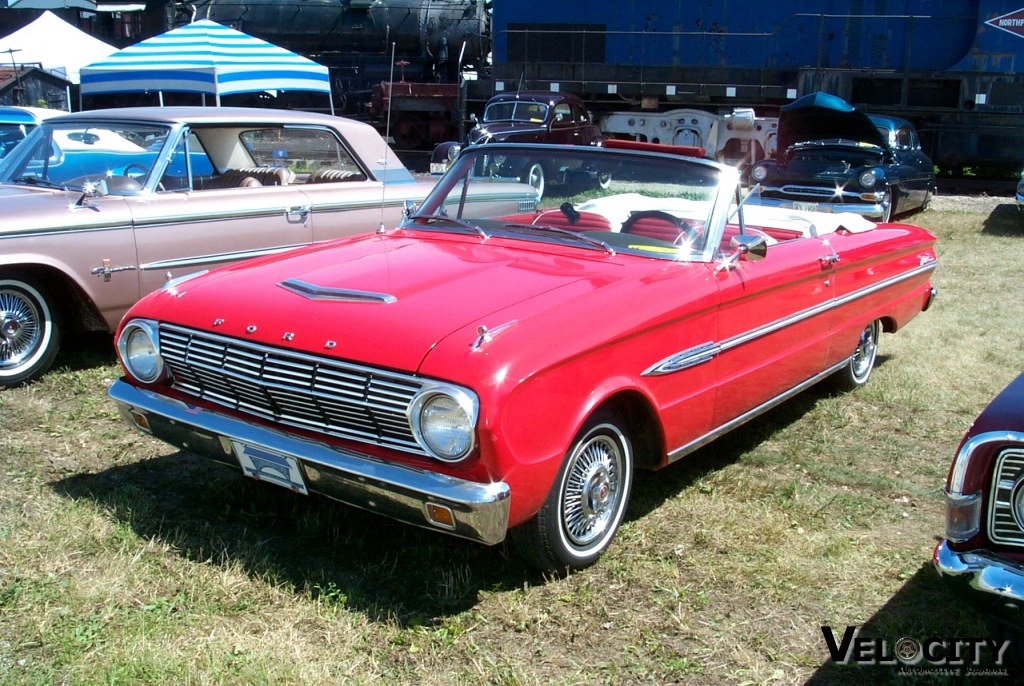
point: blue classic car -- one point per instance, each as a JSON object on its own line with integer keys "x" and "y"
{"x": 833, "y": 157}
{"x": 16, "y": 122}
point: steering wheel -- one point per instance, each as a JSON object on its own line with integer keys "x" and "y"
{"x": 658, "y": 224}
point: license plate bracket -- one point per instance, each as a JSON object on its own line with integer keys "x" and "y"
{"x": 267, "y": 465}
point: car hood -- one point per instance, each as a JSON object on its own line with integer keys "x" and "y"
{"x": 384, "y": 300}
{"x": 820, "y": 116}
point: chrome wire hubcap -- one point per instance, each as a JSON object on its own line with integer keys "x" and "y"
{"x": 867, "y": 348}
{"x": 593, "y": 489}
{"x": 19, "y": 329}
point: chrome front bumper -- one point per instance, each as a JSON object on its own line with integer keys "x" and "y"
{"x": 478, "y": 511}
{"x": 992, "y": 581}
{"x": 852, "y": 203}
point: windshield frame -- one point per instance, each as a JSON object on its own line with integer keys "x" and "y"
{"x": 18, "y": 162}
{"x": 449, "y": 198}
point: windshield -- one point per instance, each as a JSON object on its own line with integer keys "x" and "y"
{"x": 70, "y": 155}
{"x": 516, "y": 110}
{"x": 592, "y": 198}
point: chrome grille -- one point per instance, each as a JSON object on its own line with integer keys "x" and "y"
{"x": 813, "y": 191}
{"x": 1009, "y": 470}
{"x": 319, "y": 394}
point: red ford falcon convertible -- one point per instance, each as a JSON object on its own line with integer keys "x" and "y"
{"x": 505, "y": 376}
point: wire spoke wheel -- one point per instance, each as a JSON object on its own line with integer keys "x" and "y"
{"x": 28, "y": 332}
{"x": 587, "y": 500}
{"x": 592, "y": 490}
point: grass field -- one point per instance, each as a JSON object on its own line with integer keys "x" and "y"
{"x": 123, "y": 561}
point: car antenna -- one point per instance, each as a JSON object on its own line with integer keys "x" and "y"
{"x": 387, "y": 135}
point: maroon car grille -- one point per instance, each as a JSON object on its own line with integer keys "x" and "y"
{"x": 1003, "y": 526}
{"x": 319, "y": 394}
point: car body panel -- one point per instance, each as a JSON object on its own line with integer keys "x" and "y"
{"x": 538, "y": 326}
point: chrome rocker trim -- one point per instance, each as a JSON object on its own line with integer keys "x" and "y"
{"x": 996, "y": 579}
{"x": 480, "y": 510}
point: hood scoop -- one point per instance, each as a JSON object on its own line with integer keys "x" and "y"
{"x": 315, "y": 292}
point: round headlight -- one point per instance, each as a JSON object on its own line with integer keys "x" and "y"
{"x": 868, "y": 179}
{"x": 759, "y": 173}
{"x": 453, "y": 152}
{"x": 140, "y": 351}
{"x": 443, "y": 422}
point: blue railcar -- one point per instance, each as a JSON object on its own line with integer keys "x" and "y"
{"x": 953, "y": 67}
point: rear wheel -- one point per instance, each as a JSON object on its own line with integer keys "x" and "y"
{"x": 857, "y": 371}
{"x": 29, "y": 331}
{"x": 535, "y": 177}
{"x": 585, "y": 506}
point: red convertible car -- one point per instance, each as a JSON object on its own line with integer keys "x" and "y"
{"x": 504, "y": 376}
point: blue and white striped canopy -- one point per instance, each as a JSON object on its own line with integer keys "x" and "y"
{"x": 204, "y": 57}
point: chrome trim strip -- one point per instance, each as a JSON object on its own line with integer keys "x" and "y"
{"x": 316, "y": 292}
{"x": 200, "y": 260}
{"x": 751, "y": 414}
{"x": 212, "y": 216}
{"x": 963, "y": 458}
{"x": 703, "y": 353}
{"x": 684, "y": 360}
{"x": 60, "y": 230}
{"x": 393, "y": 490}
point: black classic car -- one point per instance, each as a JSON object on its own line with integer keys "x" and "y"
{"x": 833, "y": 157}
{"x": 526, "y": 117}
{"x": 982, "y": 554}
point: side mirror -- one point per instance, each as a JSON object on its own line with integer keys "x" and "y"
{"x": 745, "y": 246}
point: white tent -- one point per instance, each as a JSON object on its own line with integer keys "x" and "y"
{"x": 55, "y": 44}
{"x": 204, "y": 57}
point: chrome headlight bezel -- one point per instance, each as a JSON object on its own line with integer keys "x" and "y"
{"x": 138, "y": 346}
{"x": 458, "y": 408}
{"x": 759, "y": 173}
{"x": 453, "y": 152}
{"x": 868, "y": 178}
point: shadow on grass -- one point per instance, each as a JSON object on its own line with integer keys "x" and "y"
{"x": 1004, "y": 220}
{"x": 85, "y": 350}
{"x": 389, "y": 571}
{"x": 923, "y": 609}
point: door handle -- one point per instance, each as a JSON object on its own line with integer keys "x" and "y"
{"x": 828, "y": 261}
{"x": 300, "y": 213}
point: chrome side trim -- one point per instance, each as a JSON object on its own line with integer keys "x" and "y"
{"x": 684, "y": 360}
{"x": 708, "y": 351}
{"x": 751, "y": 414}
{"x": 200, "y": 260}
{"x": 315, "y": 292}
{"x": 397, "y": 491}
{"x": 118, "y": 226}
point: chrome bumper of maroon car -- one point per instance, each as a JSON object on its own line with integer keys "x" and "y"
{"x": 992, "y": 581}
{"x": 476, "y": 511}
